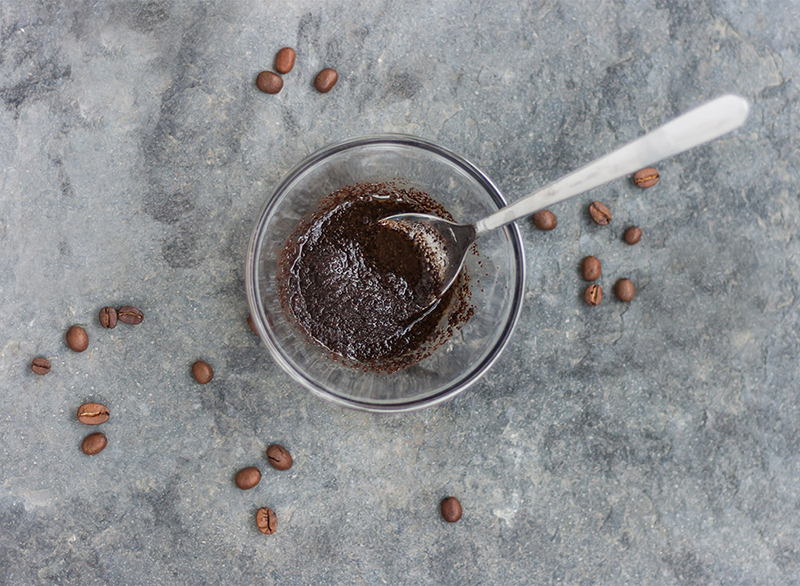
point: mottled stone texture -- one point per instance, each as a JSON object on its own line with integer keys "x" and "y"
{"x": 649, "y": 443}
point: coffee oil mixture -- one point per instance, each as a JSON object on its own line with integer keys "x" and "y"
{"x": 356, "y": 287}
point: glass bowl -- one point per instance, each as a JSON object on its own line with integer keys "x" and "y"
{"x": 497, "y": 273}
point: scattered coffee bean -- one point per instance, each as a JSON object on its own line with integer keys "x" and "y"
{"x": 633, "y": 235}
{"x": 108, "y": 318}
{"x": 591, "y": 268}
{"x": 624, "y": 290}
{"x": 646, "y": 177}
{"x": 545, "y": 220}
{"x": 593, "y": 295}
{"x": 247, "y": 478}
{"x": 130, "y": 315}
{"x": 451, "y": 509}
{"x": 284, "y": 60}
{"x": 600, "y": 213}
{"x": 269, "y": 83}
{"x": 93, "y": 413}
{"x": 40, "y": 365}
{"x": 325, "y": 80}
{"x": 252, "y": 324}
{"x": 279, "y": 457}
{"x": 94, "y": 443}
{"x": 77, "y": 339}
{"x": 266, "y": 520}
{"x": 202, "y": 372}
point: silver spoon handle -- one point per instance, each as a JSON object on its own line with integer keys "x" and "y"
{"x": 695, "y": 127}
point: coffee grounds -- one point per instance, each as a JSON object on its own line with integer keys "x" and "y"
{"x": 358, "y": 288}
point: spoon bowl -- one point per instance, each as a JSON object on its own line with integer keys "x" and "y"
{"x": 442, "y": 242}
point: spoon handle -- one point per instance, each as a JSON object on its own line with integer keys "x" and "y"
{"x": 695, "y": 127}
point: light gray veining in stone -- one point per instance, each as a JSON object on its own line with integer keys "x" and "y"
{"x": 650, "y": 443}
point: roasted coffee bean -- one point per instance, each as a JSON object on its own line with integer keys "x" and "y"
{"x": 247, "y": 478}
{"x": 600, "y": 213}
{"x": 93, "y": 413}
{"x": 593, "y": 295}
{"x": 77, "y": 339}
{"x": 266, "y": 520}
{"x": 202, "y": 372}
{"x": 252, "y": 324}
{"x": 591, "y": 268}
{"x": 633, "y": 235}
{"x": 40, "y": 365}
{"x": 624, "y": 290}
{"x": 279, "y": 457}
{"x": 94, "y": 443}
{"x": 451, "y": 509}
{"x": 130, "y": 315}
{"x": 646, "y": 177}
{"x": 284, "y": 60}
{"x": 108, "y": 318}
{"x": 325, "y": 80}
{"x": 269, "y": 83}
{"x": 545, "y": 220}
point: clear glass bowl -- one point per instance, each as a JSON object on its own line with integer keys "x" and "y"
{"x": 497, "y": 273}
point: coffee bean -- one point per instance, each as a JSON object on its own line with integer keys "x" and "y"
{"x": 247, "y": 478}
{"x": 451, "y": 509}
{"x": 202, "y": 372}
{"x": 600, "y": 213}
{"x": 646, "y": 177}
{"x": 593, "y": 295}
{"x": 266, "y": 520}
{"x": 93, "y": 413}
{"x": 633, "y": 235}
{"x": 591, "y": 268}
{"x": 284, "y": 60}
{"x": 279, "y": 457}
{"x": 624, "y": 290}
{"x": 545, "y": 220}
{"x": 269, "y": 83}
{"x": 325, "y": 80}
{"x": 108, "y": 318}
{"x": 252, "y": 324}
{"x": 130, "y": 315}
{"x": 94, "y": 443}
{"x": 40, "y": 365}
{"x": 77, "y": 339}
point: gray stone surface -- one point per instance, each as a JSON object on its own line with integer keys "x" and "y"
{"x": 650, "y": 443}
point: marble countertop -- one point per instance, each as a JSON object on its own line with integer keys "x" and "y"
{"x": 655, "y": 442}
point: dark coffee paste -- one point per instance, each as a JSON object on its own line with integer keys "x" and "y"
{"x": 358, "y": 288}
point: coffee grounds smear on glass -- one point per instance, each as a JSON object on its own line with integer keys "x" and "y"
{"x": 361, "y": 289}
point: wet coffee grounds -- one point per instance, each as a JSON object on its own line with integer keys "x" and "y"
{"x": 358, "y": 288}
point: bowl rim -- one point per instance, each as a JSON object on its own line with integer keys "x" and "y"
{"x": 258, "y": 312}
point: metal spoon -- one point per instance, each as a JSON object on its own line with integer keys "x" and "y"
{"x": 446, "y": 243}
